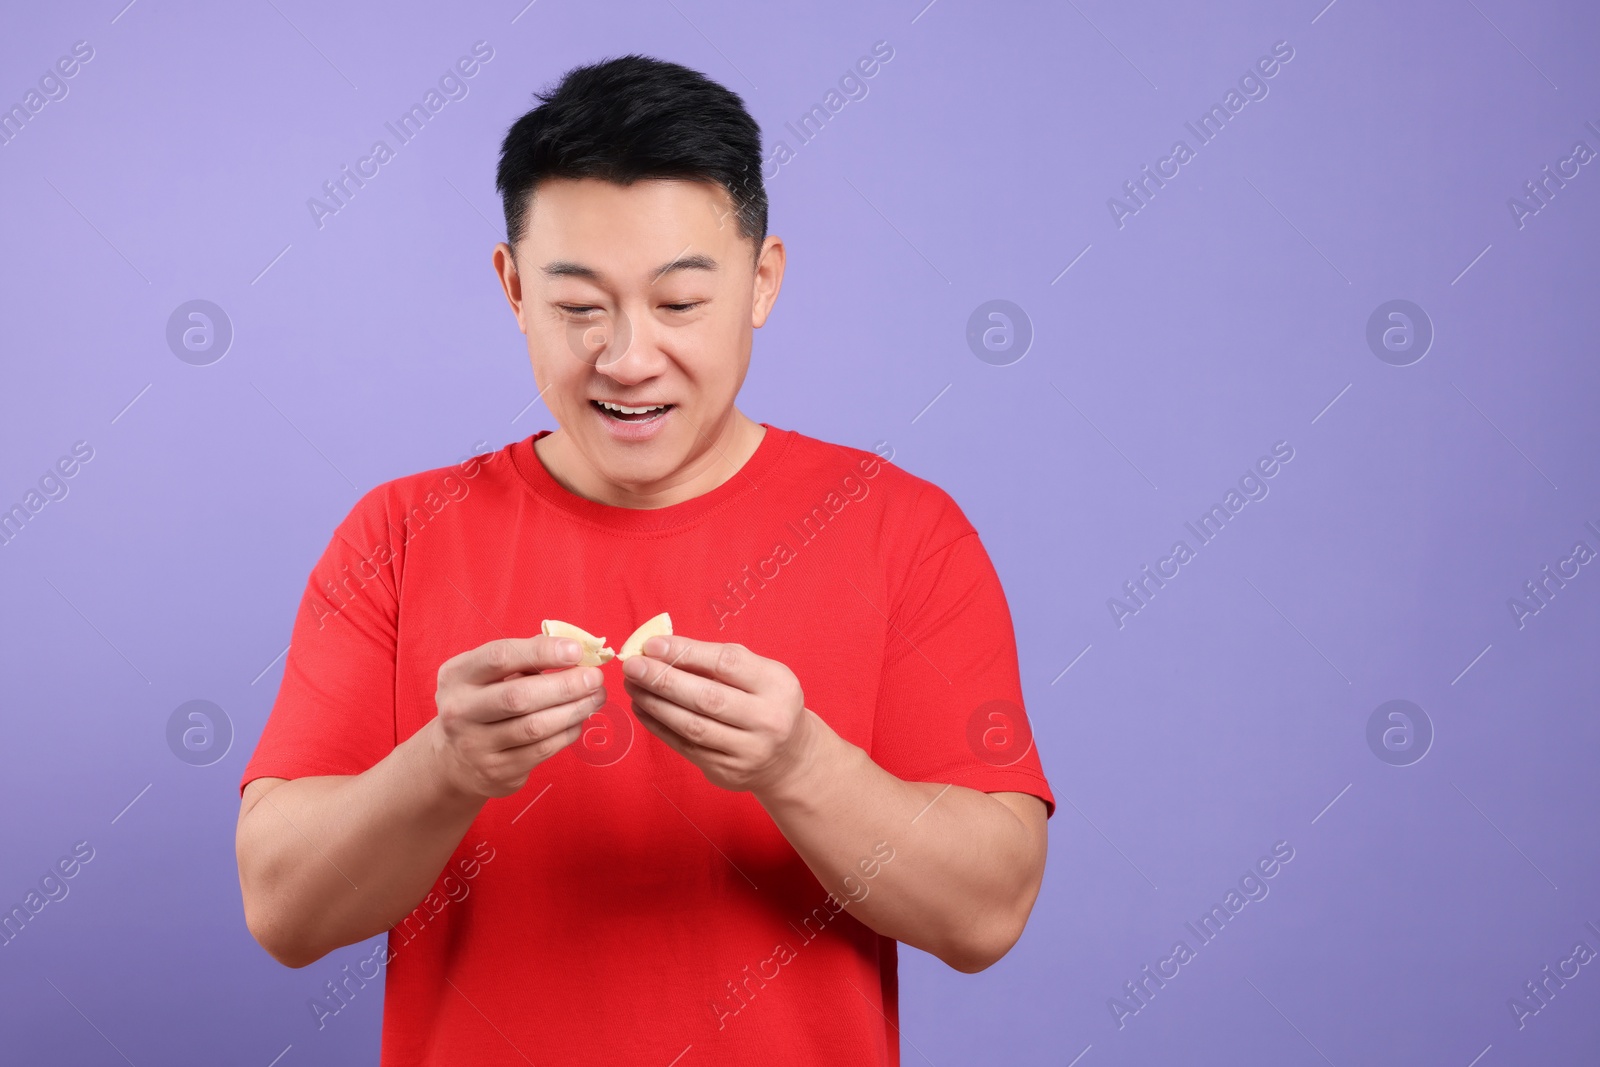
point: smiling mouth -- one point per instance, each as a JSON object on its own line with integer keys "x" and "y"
{"x": 631, "y": 413}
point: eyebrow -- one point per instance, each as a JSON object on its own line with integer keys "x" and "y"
{"x": 563, "y": 268}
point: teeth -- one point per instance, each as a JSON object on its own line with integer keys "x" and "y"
{"x": 626, "y": 410}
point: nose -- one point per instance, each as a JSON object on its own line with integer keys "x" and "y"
{"x": 622, "y": 347}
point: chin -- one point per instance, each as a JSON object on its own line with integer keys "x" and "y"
{"x": 636, "y": 462}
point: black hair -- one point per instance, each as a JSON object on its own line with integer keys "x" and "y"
{"x": 630, "y": 118}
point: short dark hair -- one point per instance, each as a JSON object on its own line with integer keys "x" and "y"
{"x": 630, "y": 118}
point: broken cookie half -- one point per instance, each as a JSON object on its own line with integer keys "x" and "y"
{"x": 594, "y": 648}
{"x": 660, "y": 626}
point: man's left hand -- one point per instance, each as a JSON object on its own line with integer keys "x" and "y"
{"x": 737, "y": 716}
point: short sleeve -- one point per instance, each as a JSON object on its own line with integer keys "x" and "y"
{"x": 335, "y": 710}
{"x": 950, "y": 703}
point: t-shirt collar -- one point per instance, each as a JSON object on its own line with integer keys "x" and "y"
{"x": 747, "y": 479}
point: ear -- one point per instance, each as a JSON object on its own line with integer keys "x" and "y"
{"x": 769, "y": 279}
{"x": 505, "y": 268}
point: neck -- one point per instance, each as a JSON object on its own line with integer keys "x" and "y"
{"x": 718, "y": 454}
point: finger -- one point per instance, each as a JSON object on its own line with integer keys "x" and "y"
{"x": 704, "y": 695}
{"x": 496, "y": 660}
{"x": 542, "y": 725}
{"x": 699, "y": 730}
{"x": 536, "y": 753}
{"x": 519, "y": 696}
{"x": 730, "y": 664}
{"x": 690, "y": 751}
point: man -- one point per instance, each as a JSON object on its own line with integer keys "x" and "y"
{"x": 828, "y": 756}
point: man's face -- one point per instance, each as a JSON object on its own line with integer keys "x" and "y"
{"x": 638, "y": 303}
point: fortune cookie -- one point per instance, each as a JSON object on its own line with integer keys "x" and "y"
{"x": 660, "y": 626}
{"x": 594, "y": 648}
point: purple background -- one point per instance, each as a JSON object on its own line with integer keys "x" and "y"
{"x": 1228, "y": 314}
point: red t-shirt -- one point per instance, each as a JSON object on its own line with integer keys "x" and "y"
{"x": 620, "y": 908}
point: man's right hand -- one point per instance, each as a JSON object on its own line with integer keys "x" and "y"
{"x": 504, "y": 708}
{"x": 507, "y": 706}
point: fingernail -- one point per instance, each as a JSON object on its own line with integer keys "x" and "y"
{"x": 656, "y": 646}
{"x": 571, "y": 651}
{"x": 592, "y": 678}
{"x": 633, "y": 667}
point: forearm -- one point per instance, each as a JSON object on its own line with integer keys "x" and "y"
{"x": 327, "y": 861}
{"x": 964, "y": 871}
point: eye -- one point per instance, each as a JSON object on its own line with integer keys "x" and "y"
{"x": 578, "y": 309}
{"x": 683, "y": 307}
